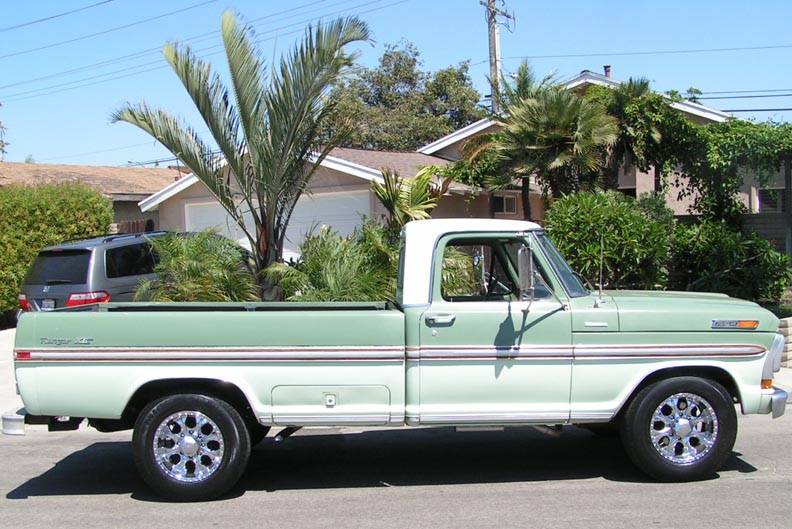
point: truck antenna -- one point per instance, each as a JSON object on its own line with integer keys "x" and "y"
{"x": 600, "y": 299}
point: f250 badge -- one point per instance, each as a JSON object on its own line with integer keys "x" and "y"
{"x": 66, "y": 341}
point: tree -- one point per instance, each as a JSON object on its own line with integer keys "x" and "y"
{"x": 396, "y": 106}
{"x": 721, "y": 155}
{"x": 652, "y": 135}
{"x": 626, "y": 240}
{"x": 409, "y": 199}
{"x": 269, "y": 137}
{"x": 361, "y": 267}
{"x": 555, "y": 136}
{"x": 198, "y": 267}
{"x": 525, "y": 84}
{"x": 558, "y": 136}
{"x": 548, "y": 133}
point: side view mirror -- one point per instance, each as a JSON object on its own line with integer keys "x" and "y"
{"x": 526, "y": 271}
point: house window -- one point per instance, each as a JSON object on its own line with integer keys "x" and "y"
{"x": 506, "y": 205}
{"x": 772, "y": 200}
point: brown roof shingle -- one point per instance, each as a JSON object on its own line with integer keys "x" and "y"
{"x": 109, "y": 181}
{"x": 405, "y": 163}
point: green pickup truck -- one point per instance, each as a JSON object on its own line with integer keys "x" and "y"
{"x": 490, "y": 326}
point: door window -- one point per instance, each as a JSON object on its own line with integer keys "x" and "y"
{"x": 483, "y": 270}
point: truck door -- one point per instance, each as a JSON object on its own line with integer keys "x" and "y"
{"x": 483, "y": 359}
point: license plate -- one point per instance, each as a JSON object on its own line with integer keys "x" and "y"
{"x": 47, "y": 304}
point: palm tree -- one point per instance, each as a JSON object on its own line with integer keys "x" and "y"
{"x": 559, "y": 137}
{"x": 525, "y": 84}
{"x": 409, "y": 199}
{"x": 639, "y": 135}
{"x": 269, "y": 137}
{"x": 198, "y": 267}
{"x": 485, "y": 148}
{"x": 548, "y": 133}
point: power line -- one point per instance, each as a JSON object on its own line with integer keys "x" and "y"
{"x": 658, "y": 52}
{"x": 750, "y": 91}
{"x": 747, "y": 97}
{"x": 759, "y": 110}
{"x": 41, "y": 92}
{"x": 98, "y": 152}
{"x": 193, "y": 39}
{"x": 52, "y": 17}
{"x": 56, "y": 44}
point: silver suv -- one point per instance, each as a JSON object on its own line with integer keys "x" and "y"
{"x": 87, "y": 271}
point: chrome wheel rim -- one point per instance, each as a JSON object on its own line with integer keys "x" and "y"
{"x": 188, "y": 446}
{"x": 684, "y": 428}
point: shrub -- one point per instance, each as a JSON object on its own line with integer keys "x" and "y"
{"x": 199, "y": 267}
{"x": 712, "y": 257}
{"x": 35, "y": 217}
{"x": 633, "y": 245}
{"x": 361, "y": 267}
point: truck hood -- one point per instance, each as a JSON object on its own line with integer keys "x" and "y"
{"x": 658, "y": 311}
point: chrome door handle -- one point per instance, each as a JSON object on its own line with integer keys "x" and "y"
{"x": 440, "y": 319}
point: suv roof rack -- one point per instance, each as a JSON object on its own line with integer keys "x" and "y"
{"x": 110, "y": 237}
{"x": 122, "y": 236}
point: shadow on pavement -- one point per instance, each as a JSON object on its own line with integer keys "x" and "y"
{"x": 100, "y": 468}
{"x": 320, "y": 459}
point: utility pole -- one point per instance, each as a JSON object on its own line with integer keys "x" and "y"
{"x": 494, "y": 47}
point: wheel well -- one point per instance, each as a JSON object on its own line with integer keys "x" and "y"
{"x": 157, "y": 389}
{"x": 716, "y": 374}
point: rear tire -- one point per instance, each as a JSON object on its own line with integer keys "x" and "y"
{"x": 680, "y": 429}
{"x": 190, "y": 447}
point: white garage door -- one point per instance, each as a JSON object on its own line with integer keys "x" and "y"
{"x": 340, "y": 211}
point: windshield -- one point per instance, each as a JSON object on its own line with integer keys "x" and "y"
{"x": 568, "y": 277}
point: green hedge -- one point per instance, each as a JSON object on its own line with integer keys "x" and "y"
{"x": 712, "y": 257}
{"x": 633, "y": 237}
{"x": 34, "y": 217}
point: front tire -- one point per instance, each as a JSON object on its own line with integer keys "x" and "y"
{"x": 190, "y": 447}
{"x": 680, "y": 429}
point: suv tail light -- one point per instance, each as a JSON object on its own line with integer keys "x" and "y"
{"x": 85, "y": 298}
{"x": 24, "y": 304}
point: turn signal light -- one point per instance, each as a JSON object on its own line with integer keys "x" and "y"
{"x": 747, "y": 324}
{"x": 767, "y": 383}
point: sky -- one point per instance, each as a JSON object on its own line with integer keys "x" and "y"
{"x": 66, "y": 65}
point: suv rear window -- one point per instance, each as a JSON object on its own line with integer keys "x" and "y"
{"x": 59, "y": 267}
{"x": 132, "y": 260}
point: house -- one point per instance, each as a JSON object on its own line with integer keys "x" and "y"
{"x": 339, "y": 194}
{"x": 124, "y": 186}
{"x": 632, "y": 181}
